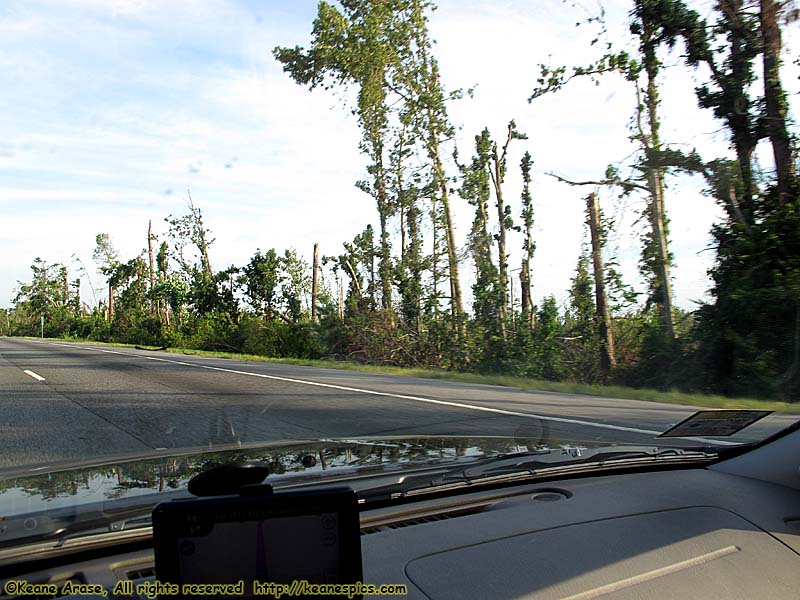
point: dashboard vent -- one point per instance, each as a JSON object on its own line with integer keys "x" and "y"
{"x": 141, "y": 573}
{"x": 422, "y": 519}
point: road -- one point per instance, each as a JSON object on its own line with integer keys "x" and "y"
{"x": 64, "y": 401}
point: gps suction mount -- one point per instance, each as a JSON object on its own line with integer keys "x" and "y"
{"x": 242, "y": 478}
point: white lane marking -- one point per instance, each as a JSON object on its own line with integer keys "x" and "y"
{"x": 498, "y": 411}
{"x": 34, "y": 375}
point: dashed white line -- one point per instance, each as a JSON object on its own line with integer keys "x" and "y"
{"x": 34, "y": 375}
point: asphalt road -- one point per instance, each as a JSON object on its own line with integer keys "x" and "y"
{"x": 71, "y": 401}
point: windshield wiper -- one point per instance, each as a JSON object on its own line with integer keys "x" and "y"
{"x": 546, "y": 462}
{"x": 531, "y": 461}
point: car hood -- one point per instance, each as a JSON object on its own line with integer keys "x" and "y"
{"x": 35, "y": 488}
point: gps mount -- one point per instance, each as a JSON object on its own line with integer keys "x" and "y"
{"x": 242, "y": 478}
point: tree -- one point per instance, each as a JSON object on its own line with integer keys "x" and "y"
{"x": 420, "y": 82}
{"x": 747, "y": 338}
{"x": 355, "y": 46}
{"x": 775, "y": 102}
{"x": 48, "y": 295}
{"x": 151, "y": 260}
{"x": 497, "y": 172}
{"x": 651, "y": 32}
{"x": 528, "y": 245}
{"x": 106, "y": 256}
{"x": 728, "y": 48}
{"x": 262, "y": 278}
{"x": 296, "y": 284}
{"x": 546, "y": 338}
{"x": 162, "y": 266}
{"x": 607, "y": 356}
{"x": 408, "y": 189}
{"x": 204, "y": 294}
{"x": 487, "y": 290}
{"x": 581, "y": 324}
{"x": 384, "y": 48}
{"x": 189, "y": 228}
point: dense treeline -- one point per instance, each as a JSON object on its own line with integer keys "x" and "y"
{"x": 394, "y": 295}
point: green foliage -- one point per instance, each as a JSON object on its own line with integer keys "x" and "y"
{"x": 261, "y": 279}
{"x": 549, "y": 356}
{"x": 487, "y": 290}
{"x": 750, "y": 336}
{"x": 581, "y": 327}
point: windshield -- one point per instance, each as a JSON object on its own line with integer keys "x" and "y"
{"x": 236, "y": 227}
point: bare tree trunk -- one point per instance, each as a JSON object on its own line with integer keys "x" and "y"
{"x": 456, "y": 305}
{"x": 435, "y": 255}
{"x": 498, "y": 175}
{"x": 401, "y": 196}
{"x": 110, "y": 303}
{"x": 739, "y": 122}
{"x": 77, "y": 296}
{"x": 525, "y": 297}
{"x": 651, "y": 141}
{"x": 341, "y": 301}
{"x": 402, "y": 230}
{"x": 775, "y": 99}
{"x": 153, "y": 304}
{"x": 607, "y": 356}
{"x": 314, "y": 284}
{"x": 663, "y": 262}
{"x": 385, "y": 261}
{"x": 502, "y": 265}
{"x": 511, "y": 301}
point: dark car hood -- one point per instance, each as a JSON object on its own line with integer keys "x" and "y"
{"x": 31, "y": 489}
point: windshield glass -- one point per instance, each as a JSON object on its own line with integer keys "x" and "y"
{"x": 234, "y": 226}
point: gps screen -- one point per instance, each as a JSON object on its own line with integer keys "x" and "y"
{"x": 222, "y": 542}
{"x": 280, "y": 550}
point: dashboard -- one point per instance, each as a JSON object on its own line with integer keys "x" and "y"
{"x": 689, "y": 533}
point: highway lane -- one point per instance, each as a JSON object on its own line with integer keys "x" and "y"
{"x": 68, "y": 401}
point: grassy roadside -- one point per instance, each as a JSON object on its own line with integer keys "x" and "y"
{"x": 605, "y": 391}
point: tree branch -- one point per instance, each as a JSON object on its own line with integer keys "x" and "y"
{"x": 602, "y": 182}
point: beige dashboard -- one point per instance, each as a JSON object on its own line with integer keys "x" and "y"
{"x": 695, "y": 533}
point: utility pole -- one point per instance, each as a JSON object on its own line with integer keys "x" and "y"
{"x": 314, "y": 284}
{"x": 607, "y": 357}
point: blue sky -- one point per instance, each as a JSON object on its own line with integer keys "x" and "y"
{"x": 114, "y": 108}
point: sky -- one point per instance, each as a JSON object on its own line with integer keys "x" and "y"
{"x": 113, "y": 109}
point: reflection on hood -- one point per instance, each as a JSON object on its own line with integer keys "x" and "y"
{"x": 306, "y": 460}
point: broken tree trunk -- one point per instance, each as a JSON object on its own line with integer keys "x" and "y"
{"x": 607, "y": 357}
{"x": 314, "y": 284}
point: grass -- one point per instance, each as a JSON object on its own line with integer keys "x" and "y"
{"x": 605, "y": 391}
